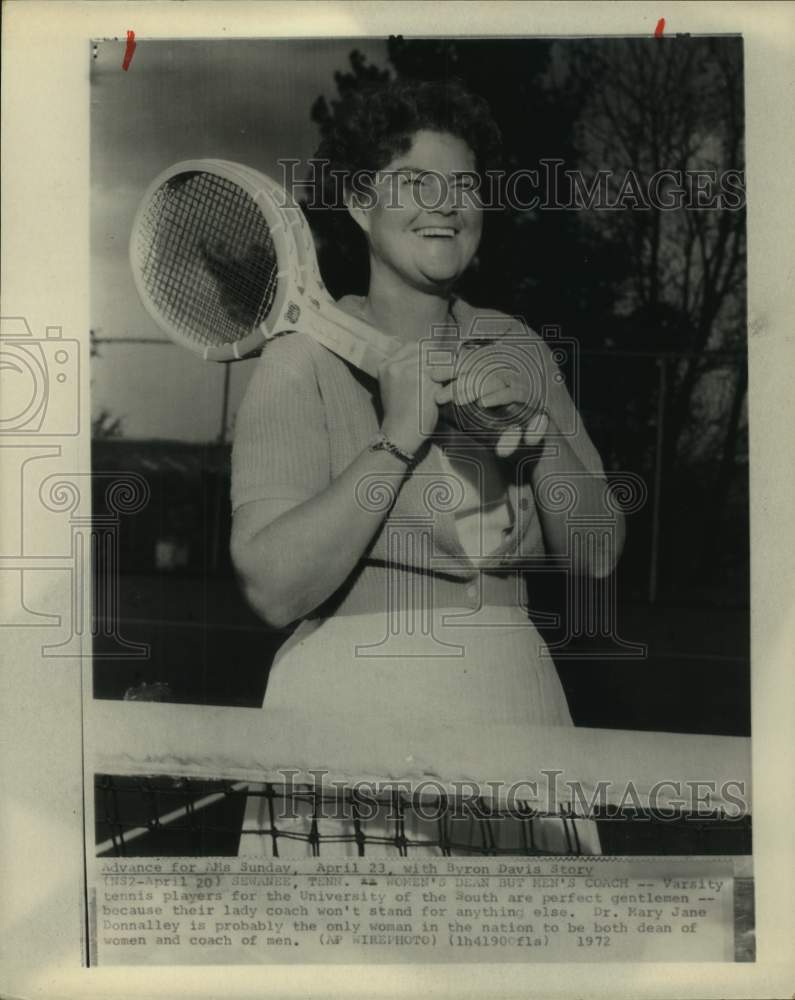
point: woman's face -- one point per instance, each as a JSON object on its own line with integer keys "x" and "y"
{"x": 423, "y": 227}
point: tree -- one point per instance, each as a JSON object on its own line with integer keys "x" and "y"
{"x": 677, "y": 105}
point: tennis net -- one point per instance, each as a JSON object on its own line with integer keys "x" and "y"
{"x": 194, "y": 780}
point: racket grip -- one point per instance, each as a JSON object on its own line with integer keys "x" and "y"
{"x": 479, "y": 421}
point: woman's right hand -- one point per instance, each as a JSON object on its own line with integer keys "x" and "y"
{"x": 409, "y": 386}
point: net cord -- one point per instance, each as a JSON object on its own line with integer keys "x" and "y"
{"x": 256, "y": 745}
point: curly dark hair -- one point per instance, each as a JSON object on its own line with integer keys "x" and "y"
{"x": 364, "y": 132}
{"x": 372, "y": 126}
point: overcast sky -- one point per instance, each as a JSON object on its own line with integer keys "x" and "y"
{"x": 241, "y": 100}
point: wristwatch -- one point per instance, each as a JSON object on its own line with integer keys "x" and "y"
{"x": 382, "y": 443}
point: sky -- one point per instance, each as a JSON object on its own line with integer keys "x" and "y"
{"x": 244, "y": 100}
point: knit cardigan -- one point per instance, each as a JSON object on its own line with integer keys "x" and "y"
{"x": 307, "y": 415}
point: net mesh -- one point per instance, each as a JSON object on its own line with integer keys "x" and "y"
{"x": 206, "y": 258}
{"x": 178, "y": 816}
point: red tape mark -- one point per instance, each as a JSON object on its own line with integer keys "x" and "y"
{"x": 129, "y": 51}
{"x": 658, "y": 31}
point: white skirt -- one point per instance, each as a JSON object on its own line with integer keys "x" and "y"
{"x": 455, "y": 667}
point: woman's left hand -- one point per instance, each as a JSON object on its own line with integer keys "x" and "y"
{"x": 489, "y": 387}
{"x": 528, "y": 434}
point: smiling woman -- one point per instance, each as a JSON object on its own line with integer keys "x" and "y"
{"x": 420, "y": 230}
{"x": 393, "y": 541}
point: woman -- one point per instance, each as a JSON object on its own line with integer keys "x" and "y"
{"x": 394, "y": 538}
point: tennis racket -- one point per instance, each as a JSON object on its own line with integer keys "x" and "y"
{"x": 224, "y": 261}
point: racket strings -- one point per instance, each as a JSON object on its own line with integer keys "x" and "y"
{"x": 207, "y": 258}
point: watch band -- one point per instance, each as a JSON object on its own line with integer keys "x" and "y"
{"x": 382, "y": 443}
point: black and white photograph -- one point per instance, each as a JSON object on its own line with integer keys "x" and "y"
{"x": 429, "y": 359}
{"x": 329, "y": 537}
{"x": 410, "y": 570}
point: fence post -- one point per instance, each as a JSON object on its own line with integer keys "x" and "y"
{"x": 662, "y": 389}
{"x": 225, "y": 404}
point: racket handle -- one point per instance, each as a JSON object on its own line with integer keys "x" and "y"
{"x": 358, "y": 343}
{"x": 365, "y": 347}
{"x": 470, "y": 418}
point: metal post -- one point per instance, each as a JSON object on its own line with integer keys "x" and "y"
{"x": 662, "y": 389}
{"x": 225, "y": 404}
{"x": 215, "y": 553}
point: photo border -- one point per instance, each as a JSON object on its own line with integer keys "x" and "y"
{"x": 45, "y": 162}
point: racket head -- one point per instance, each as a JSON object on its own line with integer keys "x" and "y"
{"x": 212, "y": 250}
{"x": 306, "y": 267}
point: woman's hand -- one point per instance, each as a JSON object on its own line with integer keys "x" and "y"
{"x": 409, "y": 389}
{"x": 502, "y": 394}
{"x": 528, "y": 434}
